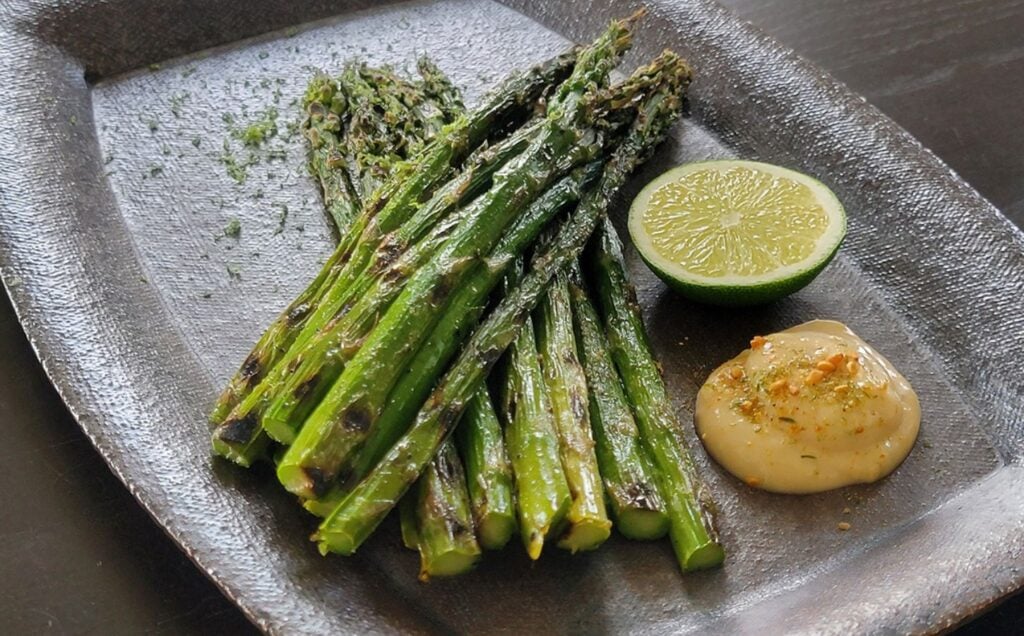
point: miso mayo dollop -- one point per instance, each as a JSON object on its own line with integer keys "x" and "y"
{"x": 808, "y": 409}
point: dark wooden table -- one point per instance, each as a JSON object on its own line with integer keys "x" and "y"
{"x": 91, "y": 560}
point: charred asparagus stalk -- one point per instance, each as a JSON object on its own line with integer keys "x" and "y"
{"x": 347, "y": 414}
{"x": 488, "y": 472}
{"x": 362, "y": 510}
{"x": 587, "y": 521}
{"x": 443, "y": 519}
{"x": 692, "y": 530}
{"x": 632, "y": 492}
{"x": 542, "y": 492}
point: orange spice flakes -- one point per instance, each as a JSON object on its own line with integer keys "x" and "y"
{"x": 836, "y": 359}
{"x": 813, "y": 377}
{"x": 843, "y": 526}
{"x": 736, "y": 372}
{"x": 757, "y": 342}
{"x": 753, "y": 482}
{"x": 825, "y": 366}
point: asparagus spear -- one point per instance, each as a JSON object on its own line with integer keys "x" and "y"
{"x": 542, "y": 492}
{"x": 692, "y": 530}
{"x": 443, "y": 518}
{"x": 362, "y": 510}
{"x": 393, "y": 203}
{"x": 588, "y": 524}
{"x": 342, "y": 421}
{"x": 488, "y": 472}
{"x": 632, "y": 492}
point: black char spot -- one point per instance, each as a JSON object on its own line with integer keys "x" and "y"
{"x": 317, "y": 480}
{"x": 238, "y": 431}
{"x": 306, "y": 387}
{"x": 356, "y": 418}
{"x": 252, "y": 367}
{"x": 298, "y": 313}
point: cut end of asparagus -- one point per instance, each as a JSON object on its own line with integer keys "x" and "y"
{"x": 586, "y": 535}
{"x": 642, "y": 525}
{"x": 494, "y": 530}
{"x": 709, "y": 555}
{"x": 245, "y": 454}
{"x": 449, "y": 564}
{"x": 278, "y": 429}
{"x": 334, "y": 542}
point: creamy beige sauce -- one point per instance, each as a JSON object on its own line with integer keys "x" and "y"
{"x": 808, "y": 409}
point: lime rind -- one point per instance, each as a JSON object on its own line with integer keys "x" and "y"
{"x": 687, "y": 268}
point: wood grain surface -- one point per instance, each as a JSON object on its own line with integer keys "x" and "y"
{"x": 950, "y": 71}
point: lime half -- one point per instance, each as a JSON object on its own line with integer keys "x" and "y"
{"x": 736, "y": 232}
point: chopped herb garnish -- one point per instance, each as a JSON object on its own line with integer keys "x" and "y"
{"x": 260, "y": 130}
{"x": 155, "y": 170}
{"x": 787, "y": 419}
{"x": 188, "y": 71}
{"x": 154, "y": 67}
{"x": 177, "y": 102}
{"x": 233, "y": 229}
{"x": 263, "y": 55}
{"x": 197, "y": 141}
{"x": 282, "y": 218}
{"x": 234, "y": 271}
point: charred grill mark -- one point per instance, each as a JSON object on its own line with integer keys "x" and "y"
{"x": 458, "y": 529}
{"x": 391, "y": 248}
{"x": 440, "y": 293}
{"x": 489, "y": 356}
{"x": 252, "y": 368}
{"x": 642, "y": 496}
{"x": 238, "y": 430}
{"x": 356, "y": 418}
{"x": 297, "y": 313}
{"x": 306, "y": 387}
{"x": 318, "y": 481}
{"x": 449, "y": 416}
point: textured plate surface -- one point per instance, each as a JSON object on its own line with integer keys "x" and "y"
{"x": 119, "y": 178}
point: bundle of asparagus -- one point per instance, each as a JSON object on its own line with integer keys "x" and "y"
{"x": 364, "y": 377}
